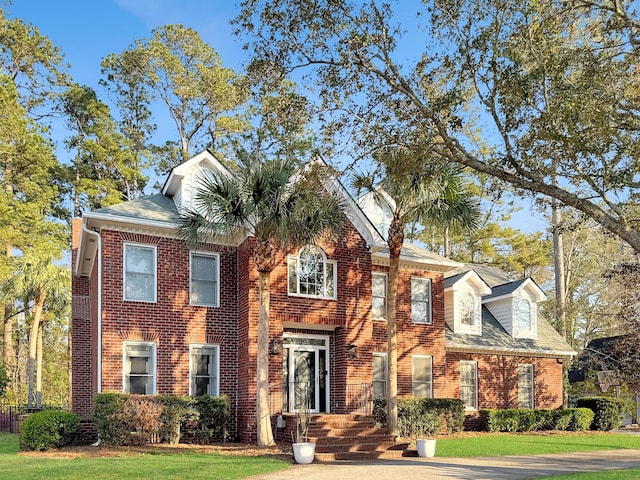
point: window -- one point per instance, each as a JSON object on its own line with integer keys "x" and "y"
{"x": 524, "y": 314}
{"x": 204, "y": 279}
{"x": 525, "y": 386}
{"x": 379, "y": 296}
{"x": 421, "y": 376}
{"x": 311, "y": 274}
{"x": 139, "y": 273}
{"x": 421, "y": 300}
{"x": 379, "y": 375}
{"x": 204, "y": 369}
{"x": 469, "y": 384}
{"x": 139, "y": 368}
{"x": 467, "y": 309}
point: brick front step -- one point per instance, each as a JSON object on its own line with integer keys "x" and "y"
{"x": 395, "y": 452}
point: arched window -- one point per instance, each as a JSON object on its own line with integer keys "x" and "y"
{"x": 311, "y": 274}
{"x": 524, "y": 314}
{"x": 467, "y": 309}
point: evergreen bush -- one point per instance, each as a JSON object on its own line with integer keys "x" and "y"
{"x": 49, "y": 429}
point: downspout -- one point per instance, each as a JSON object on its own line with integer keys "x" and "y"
{"x": 99, "y": 260}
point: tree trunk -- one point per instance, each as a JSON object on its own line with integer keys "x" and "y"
{"x": 39, "y": 367}
{"x": 264, "y": 431}
{"x": 33, "y": 344}
{"x": 558, "y": 266}
{"x": 8, "y": 349}
{"x": 395, "y": 239}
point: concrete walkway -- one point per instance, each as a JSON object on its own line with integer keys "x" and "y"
{"x": 475, "y": 468}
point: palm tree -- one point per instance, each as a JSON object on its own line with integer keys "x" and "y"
{"x": 38, "y": 279}
{"x": 416, "y": 189}
{"x": 281, "y": 205}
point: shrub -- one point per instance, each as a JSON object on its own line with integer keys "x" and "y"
{"x": 527, "y": 420}
{"x": 49, "y": 429}
{"x": 141, "y": 414}
{"x": 213, "y": 417}
{"x": 562, "y": 419}
{"x": 581, "y": 420}
{"x": 416, "y": 419}
{"x": 175, "y": 411}
{"x": 607, "y": 412}
{"x": 111, "y": 425}
{"x": 380, "y": 412}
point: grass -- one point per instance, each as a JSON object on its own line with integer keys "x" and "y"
{"x": 532, "y": 444}
{"x": 149, "y": 466}
{"x": 632, "y": 474}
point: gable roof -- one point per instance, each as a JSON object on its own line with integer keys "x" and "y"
{"x": 469, "y": 277}
{"x": 414, "y": 255}
{"x": 495, "y": 339}
{"x": 153, "y": 208}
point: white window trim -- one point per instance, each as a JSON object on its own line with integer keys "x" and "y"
{"x": 153, "y": 363}
{"x": 386, "y": 294}
{"x": 124, "y": 271}
{"x": 384, "y": 356}
{"x": 429, "y": 320}
{"x": 326, "y": 264}
{"x": 413, "y": 366}
{"x": 531, "y": 372}
{"x": 475, "y": 367}
{"x": 216, "y": 347}
{"x": 217, "y": 293}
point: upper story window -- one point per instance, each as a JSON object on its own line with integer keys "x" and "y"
{"x": 421, "y": 300}
{"x": 139, "y": 272}
{"x": 204, "y": 282}
{"x": 139, "y": 368}
{"x": 523, "y": 311}
{"x": 204, "y": 370}
{"x": 379, "y": 296}
{"x": 467, "y": 309}
{"x": 311, "y": 274}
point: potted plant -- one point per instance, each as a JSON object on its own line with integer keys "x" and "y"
{"x": 425, "y": 430}
{"x": 303, "y": 450}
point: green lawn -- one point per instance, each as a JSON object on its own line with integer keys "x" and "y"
{"x": 633, "y": 474}
{"x": 532, "y": 444}
{"x": 148, "y": 466}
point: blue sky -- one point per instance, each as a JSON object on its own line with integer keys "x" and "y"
{"x": 88, "y": 31}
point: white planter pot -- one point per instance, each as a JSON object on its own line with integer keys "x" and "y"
{"x": 304, "y": 452}
{"x": 426, "y": 447}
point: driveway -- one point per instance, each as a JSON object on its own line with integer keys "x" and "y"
{"x": 475, "y": 468}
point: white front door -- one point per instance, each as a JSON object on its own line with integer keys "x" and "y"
{"x": 305, "y": 373}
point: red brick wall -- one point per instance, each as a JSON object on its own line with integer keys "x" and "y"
{"x": 498, "y": 380}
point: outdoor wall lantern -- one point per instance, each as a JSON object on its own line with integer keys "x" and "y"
{"x": 275, "y": 346}
{"x": 351, "y": 351}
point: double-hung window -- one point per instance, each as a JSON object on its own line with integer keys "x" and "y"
{"x": 204, "y": 370}
{"x": 469, "y": 384}
{"x": 421, "y": 300}
{"x": 205, "y": 274}
{"x": 379, "y": 375}
{"x": 525, "y": 386}
{"x": 139, "y": 368}
{"x": 311, "y": 274}
{"x": 422, "y": 376}
{"x": 379, "y": 296}
{"x": 139, "y": 273}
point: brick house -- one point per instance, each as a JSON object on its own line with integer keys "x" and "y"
{"x": 150, "y": 316}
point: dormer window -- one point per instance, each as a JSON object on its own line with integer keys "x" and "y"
{"x": 311, "y": 274}
{"x": 467, "y": 309}
{"x": 524, "y": 314}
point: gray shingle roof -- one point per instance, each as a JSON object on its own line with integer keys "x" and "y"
{"x": 505, "y": 289}
{"x": 413, "y": 252}
{"x": 495, "y": 338}
{"x": 157, "y": 208}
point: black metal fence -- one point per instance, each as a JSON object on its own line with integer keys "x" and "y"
{"x": 12, "y": 416}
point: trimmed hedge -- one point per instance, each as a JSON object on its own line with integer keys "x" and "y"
{"x": 527, "y": 420}
{"x": 607, "y": 412}
{"x": 121, "y": 418}
{"x": 415, "y": 412}
{"x": 49, "y": 429}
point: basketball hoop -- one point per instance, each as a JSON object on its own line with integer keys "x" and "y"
{"x": 608, "y": 378}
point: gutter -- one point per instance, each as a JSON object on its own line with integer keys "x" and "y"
{"x": 86, "y": 230}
